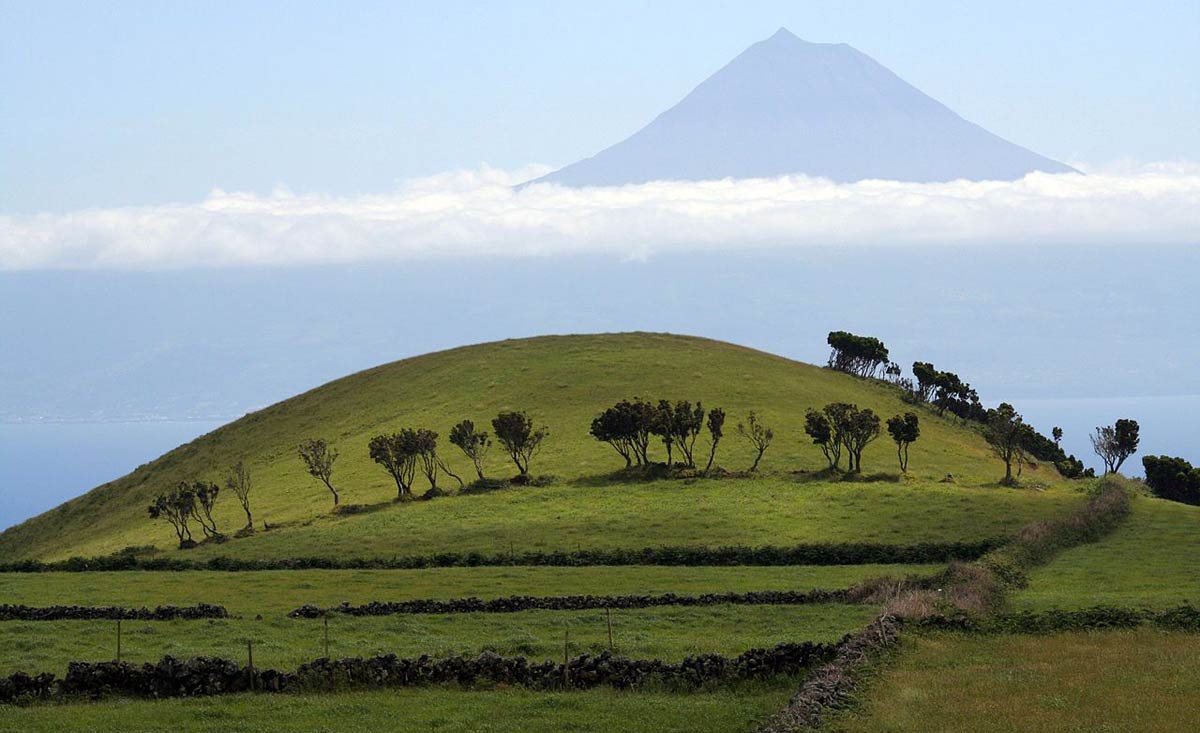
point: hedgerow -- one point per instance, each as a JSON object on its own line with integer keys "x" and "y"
{"x": 512, "y": 604}
{"x": 810, "y": 554}
{"x": 202, "y": 676}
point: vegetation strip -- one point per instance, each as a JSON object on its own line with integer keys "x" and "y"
{"x": 1185, "y": 617}
{"x": 10, "y": 612}
{"x": 969, "y": 593}
{"x": 512, "y": 604}
{"x": 199, "y": 676}
{"x": 851, "y": 553}
{"x": 832, "y": 685}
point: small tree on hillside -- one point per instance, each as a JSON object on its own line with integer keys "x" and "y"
{"x": 860, "y": 429}
{"x": 474, "y": 443}
{"x": 1005, "y": 433}
{"x": 1056, "y": 433}
{"x": 396, "y": 452}
{"x": 818, "y": 427}
{"x": 927, "y": 377}
{"x": 238, "y": 482}
{"x": 904, "y": 429}
{"x": 426, "y": 445}
{"x": 687, "y": 424}
{"x": 516, "y": 434}
{"x": 716, "y": 430}
{"x": 618, "y": 427}
{"x": 759, "y": 435}
{"x": 206, "y": 494}
{"x": 318, "y": 459}
{"x": 1115, "y": 443}
{"x": 176, "y": 507}
{"x": 664, "y": 427}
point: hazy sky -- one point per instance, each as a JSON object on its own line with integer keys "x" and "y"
{"x": 111, "y": 104}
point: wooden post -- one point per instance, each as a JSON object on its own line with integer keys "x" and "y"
{"x": 250, "y": 661}
{"x": 608, "y": 617}
{"x": 327, "y": 636}
{"x": 566, "y": 658}
{"x": 118, "y": 640}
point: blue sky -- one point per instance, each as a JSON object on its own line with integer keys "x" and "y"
{"x": 144, "y": 103}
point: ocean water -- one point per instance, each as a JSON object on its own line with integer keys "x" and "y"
{"x": 44, "y": 464}
{"x": 1168, "y": 425}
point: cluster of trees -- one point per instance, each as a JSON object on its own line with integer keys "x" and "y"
{"x": 1172, "y": 478}
{"x": 947, "y": 392}
{"x": 630, "y": 426}
{"x": 186, "y": 503}
{"x": 841, "y": 428}
{"x": 863, "y": 356}
{"x": 408, "y": 450}
{"x": 400, "y": 454}
{"x": 1015, "y": 442}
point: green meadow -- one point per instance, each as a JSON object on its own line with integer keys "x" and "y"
{"x": 436, "y": 710}
{"x": 276, "y": 592}
{"x": 1143, "y": 680}
{"x": 1152, "y": 561}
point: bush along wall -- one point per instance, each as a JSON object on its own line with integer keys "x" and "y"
{"x": 1098, "y": 618}
{"x": 512, "y": 604}
{"x": 85, "y": 613}
{"x": 210, "y": 676}
{"x": 851, "y": 553}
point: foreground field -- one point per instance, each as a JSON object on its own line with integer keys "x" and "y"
{"x": 669, "y": 633}
{"x": 276, "y": 592}
{"x": 445, "y": 711}
{"x": 1142, "y": 680}
{"x": 1152, "y": 560}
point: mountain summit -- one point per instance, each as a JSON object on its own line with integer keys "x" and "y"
{"x": 787, "y": 106}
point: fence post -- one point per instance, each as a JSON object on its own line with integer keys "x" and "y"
{"x": 250, "y": 661}
{"x": 118, "y": 641}
{"x": 608, "y": 617}
{"x": 566, "y": 658}
{"x": 326, "y": 617}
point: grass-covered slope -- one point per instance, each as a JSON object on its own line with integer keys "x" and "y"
{"x": 1153, "y": 560}
{"x": 562, "y": 381}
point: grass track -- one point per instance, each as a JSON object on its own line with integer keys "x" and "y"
{"x": 438, "y": 710}
{"x": 669, "y": 633}
{"x": 1142, "y": 680}
{"x": 275, "y": 593}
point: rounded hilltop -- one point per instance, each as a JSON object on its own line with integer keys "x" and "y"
{"x": 561, "y": 383}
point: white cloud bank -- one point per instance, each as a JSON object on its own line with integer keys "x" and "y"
{"x": 478, "y": 212}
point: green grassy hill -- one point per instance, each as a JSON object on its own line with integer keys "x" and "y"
{"x": 562, "y": 382}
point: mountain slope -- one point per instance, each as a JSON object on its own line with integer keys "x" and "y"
{"x": 786, "y": 106}
{"x": 562, "y": 381}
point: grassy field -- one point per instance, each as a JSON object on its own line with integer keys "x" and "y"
{"x": 562, "y": 382}
{"x": 275, "y": 593}
{"x": 435, "y": 710}
{"x": 662, "y": 633}
{"x": 712, "y": 512}
{"x": 1133, "y": 681}
{"x": 1153, "y": 561}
